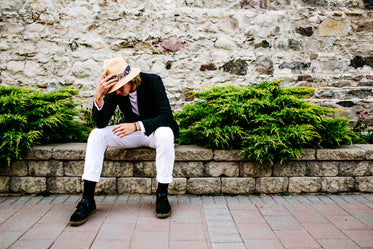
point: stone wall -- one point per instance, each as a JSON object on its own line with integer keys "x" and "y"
{"x": 58, "y": 169}
{"x": 326, "y": 44}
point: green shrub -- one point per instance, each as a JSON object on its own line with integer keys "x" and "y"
{"x": 267, "y": 122}
{"x": 30, "y": 117}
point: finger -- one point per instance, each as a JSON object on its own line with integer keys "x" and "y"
{"x": 103, "y": 75}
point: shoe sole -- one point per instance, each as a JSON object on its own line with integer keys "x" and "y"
{"x": 163, "y": 215}
{"x": 78, "y": 223}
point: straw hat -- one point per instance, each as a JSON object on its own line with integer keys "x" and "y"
{"x": 122, "y": 70}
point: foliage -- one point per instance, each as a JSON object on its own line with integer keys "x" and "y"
{"x": 267, "y": 122}
{"x": 362, "y": 129}
{"x": 30, "y": 117}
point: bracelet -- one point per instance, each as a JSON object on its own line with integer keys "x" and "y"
{"x": 135, "y": 126}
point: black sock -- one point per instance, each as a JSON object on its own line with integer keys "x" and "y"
{"x": 89, "y": 190}
{"x": 162, "y": 188}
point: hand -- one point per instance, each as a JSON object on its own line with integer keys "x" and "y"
{"x": 104, "y": 84}
{"x": 124, "y": 129}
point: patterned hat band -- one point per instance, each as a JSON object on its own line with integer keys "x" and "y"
{"x": 124, "y": 74}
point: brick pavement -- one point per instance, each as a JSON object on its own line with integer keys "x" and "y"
{"x": 302, "y": 221}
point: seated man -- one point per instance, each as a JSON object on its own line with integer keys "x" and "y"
{"x": 148, "y": 122}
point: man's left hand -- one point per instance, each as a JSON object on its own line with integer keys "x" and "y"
{"x": 124, "y": 129}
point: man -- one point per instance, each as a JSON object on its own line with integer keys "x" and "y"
{"x": 148, "y": 122}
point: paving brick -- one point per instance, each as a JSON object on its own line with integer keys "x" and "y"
{"x": 337, "y": 243}
{"x": 283, "y": 222}
{"x": 272, "y": 210}
{"x": 74, "y": 239}
{"x": 184, "y": 231}
{"x": 347, "y": 222}
{"x": 154, "y": 240}
{"x": 122, "y": 231}
{"x": 44, "y": 232}
{"x": 255, "y": 231}
{"x": 263, "y": 244}
{"x": 364, "y": 238}
{"x": 189, "y": 244}
{"x": 238, "y": 245}
{"x": 32, "y": 244}
{"x": 296, "y": 239}
{"x": 112, "y": 244}
{"x": 247, "y": 216}
{"x": 305, "y": 213}
{"x": 323, "y": 231}
{"x": 329, "y": 209}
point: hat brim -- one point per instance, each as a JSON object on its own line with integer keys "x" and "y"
{"x": 134, "y": 72}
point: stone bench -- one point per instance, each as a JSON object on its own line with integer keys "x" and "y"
{"x": 58, "y": 168}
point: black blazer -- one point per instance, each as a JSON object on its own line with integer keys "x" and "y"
{"x": 154, "y": 107}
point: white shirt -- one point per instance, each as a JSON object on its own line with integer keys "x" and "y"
{"x": 135, "y": 107}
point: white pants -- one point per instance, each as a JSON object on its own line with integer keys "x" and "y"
{"x": 161, "y": 139}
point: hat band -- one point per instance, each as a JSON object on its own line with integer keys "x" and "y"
{"x": 125, "y": 73}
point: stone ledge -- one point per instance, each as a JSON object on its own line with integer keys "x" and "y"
{"x": 58, "y": 168}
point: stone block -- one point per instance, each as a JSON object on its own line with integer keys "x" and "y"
{"x": 176, "y": 187}
{"x": 140, "y": 154}
{"x": 217, "y": 169}
{"x": 228, "y": 155}
{"x": 134, "y": 185}
{"x": 262, "y": 170}
{"x": 255, "y": 169}
{"x": 237, "y": 185}
{"x": 189, "y": 169}
{"x": 5, "y": 169}
{"x": 64, "y": 185}
{"x": 19, "y": 168}
{"x": 29, "y": 185}
{"x": 307, "y": 154}
{"x": 192, "y": 153}
{"x": 73, "y": 168}
{"x": 364, "y": 184}
{"x": 368, "y": 148}
{"x": 118, "y": 169}
{"x": 248, "y": 168}
{"x": 204, "y": 186}
{"x": 293, "y": 168}
{"x": 40, "y": 152}
{"x": 304, "y": 184}
{"x": 340, "y": 154}
{"x": 322, "y": 168}
{"x": 137, "y": 154}
{"x": 4, "y": 184}
{"x": 355, "y": 168}
{"x": 271, "y": 185}
{"x": 117, "y": 154}
{"x": 107, "y": 185}
{"x": 145, "y": 169}
{"x": 337, "y": 184}
{"x": 70, "y": 151}
{"x": 45, "y": 168}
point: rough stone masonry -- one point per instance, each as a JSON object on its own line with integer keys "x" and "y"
{"x": 326, "y": 44}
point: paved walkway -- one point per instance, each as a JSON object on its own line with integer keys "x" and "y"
{"x": 270, "y": 221}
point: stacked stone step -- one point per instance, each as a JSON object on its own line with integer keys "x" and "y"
{"x": 199, "y": 171}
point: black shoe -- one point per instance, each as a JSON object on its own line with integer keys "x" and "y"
{"x": 84, "y": 209}
{"x": 163, "y": 208}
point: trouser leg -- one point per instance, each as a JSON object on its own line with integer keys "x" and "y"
{"x": 165, "y": 154}
{"x": 98, "y": 141}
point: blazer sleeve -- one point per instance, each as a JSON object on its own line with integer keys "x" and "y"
{"x": 159, "y": 109}
{"x": 101, "y": 117}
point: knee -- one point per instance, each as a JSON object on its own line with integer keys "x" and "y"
{"x": 164, "y": 135}
{"x": 96, "y": 133}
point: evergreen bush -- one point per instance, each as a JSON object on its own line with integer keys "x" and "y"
{"x": 267, "y": 122}
{"x": 30, "y": 117}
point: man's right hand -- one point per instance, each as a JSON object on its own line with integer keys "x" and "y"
{"x": 104, "y": 84}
